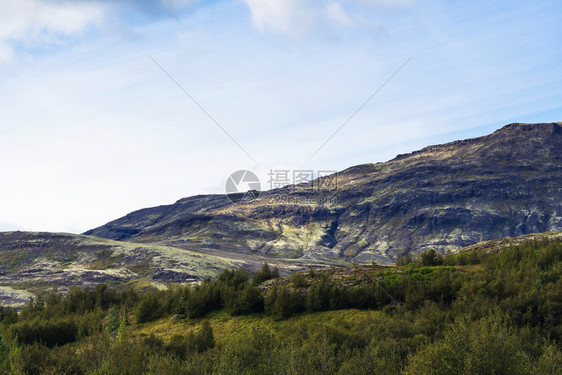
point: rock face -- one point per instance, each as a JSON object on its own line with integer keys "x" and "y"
{"x": 443, "y": 197}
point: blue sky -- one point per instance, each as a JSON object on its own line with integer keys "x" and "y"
{"x": 91, "y": 128}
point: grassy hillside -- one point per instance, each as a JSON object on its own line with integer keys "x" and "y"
{"x": 477, "y": 312}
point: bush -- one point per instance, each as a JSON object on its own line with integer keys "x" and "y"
{"x": 247, "y": 301}
{"x": 483, "y": 347}
{"x": 404, "y": 260}
{"x": 50, "y": 333}
{"x": 319, "y": 293}
{"x": 178, "y": 346}
{"x": 281, "y": 303}
{"x": 202, "y": 340}
{"x": 265, "y": 274}
{"x": 298, "y": 280}
{"x": 148, "y": 309}
{"x": 431, "y": 258}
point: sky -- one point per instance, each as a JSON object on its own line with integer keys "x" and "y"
{"x": 107, "y": 107}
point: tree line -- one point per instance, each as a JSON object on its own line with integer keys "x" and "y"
{"x": 474, "y": 312}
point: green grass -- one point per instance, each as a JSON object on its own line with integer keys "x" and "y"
{"x": 142, "y": 268}
{"x": 229, "y": 328}
{"x": 429, "y": 273}
{"x": 417, "y": 273}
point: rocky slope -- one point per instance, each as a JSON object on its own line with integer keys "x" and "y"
{"x": 32, "y": 262}
{"x": 495, "y": 246}
{"x": 443, "y": 197}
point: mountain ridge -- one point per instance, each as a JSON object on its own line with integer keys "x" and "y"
{"x": 444, "y": 197}
{"x": 458, "y": 196}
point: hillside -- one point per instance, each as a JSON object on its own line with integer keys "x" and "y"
{"x": 481, "y": 311}
{"x": 495, "y": 246}
{"x": 33, "y": 262}
{"x": 444, "y": 197}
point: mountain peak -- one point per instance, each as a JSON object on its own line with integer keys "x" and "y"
{"x": 509, "y": 138}
{"x": 443, "y": 197}
{"x": 541, "y": 129}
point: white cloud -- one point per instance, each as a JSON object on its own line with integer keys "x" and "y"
{"x": 287, "y": 16}
{"x": 336, "y": 12}
{"x": 34, "y": 22}
{"x": 6, "y": 52}
{"x": 296, "y": 16}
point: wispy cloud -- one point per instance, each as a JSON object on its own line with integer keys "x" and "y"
{"x": 29, "y": 24}
{"x": 153, "y": 8}
{"x": 298, "y": 16}
{"x": 337, "y": 13}
{"x": 287, "y": 16}
{"x": 36, "y": 22}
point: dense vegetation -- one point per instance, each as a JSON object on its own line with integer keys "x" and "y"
{"x": 469, "y": 313}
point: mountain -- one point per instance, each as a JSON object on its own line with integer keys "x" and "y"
{"x": 32, "y": 262}
{"x": 443, "y": 197}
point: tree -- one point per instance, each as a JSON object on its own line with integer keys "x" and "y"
{"x": 281, "y": 303}
{"x": 263, "y": 275}
{"x": 202, "y": 340}
{"x": 112, "y": 322}
{"x": 206, "y": 337}
{"x": 431, "y": 258}
{"x": 247, "y": 301}
{"x": 148, "y": 310}
{"x": 319, "y": 293}
{"x": 550, "y": 362}
{"x": 404, "y": 260}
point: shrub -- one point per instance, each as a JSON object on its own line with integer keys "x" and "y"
{"x": 431, "y": 258}
{"x": 148, "y": 309}
{"x": 265, "y": 274}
